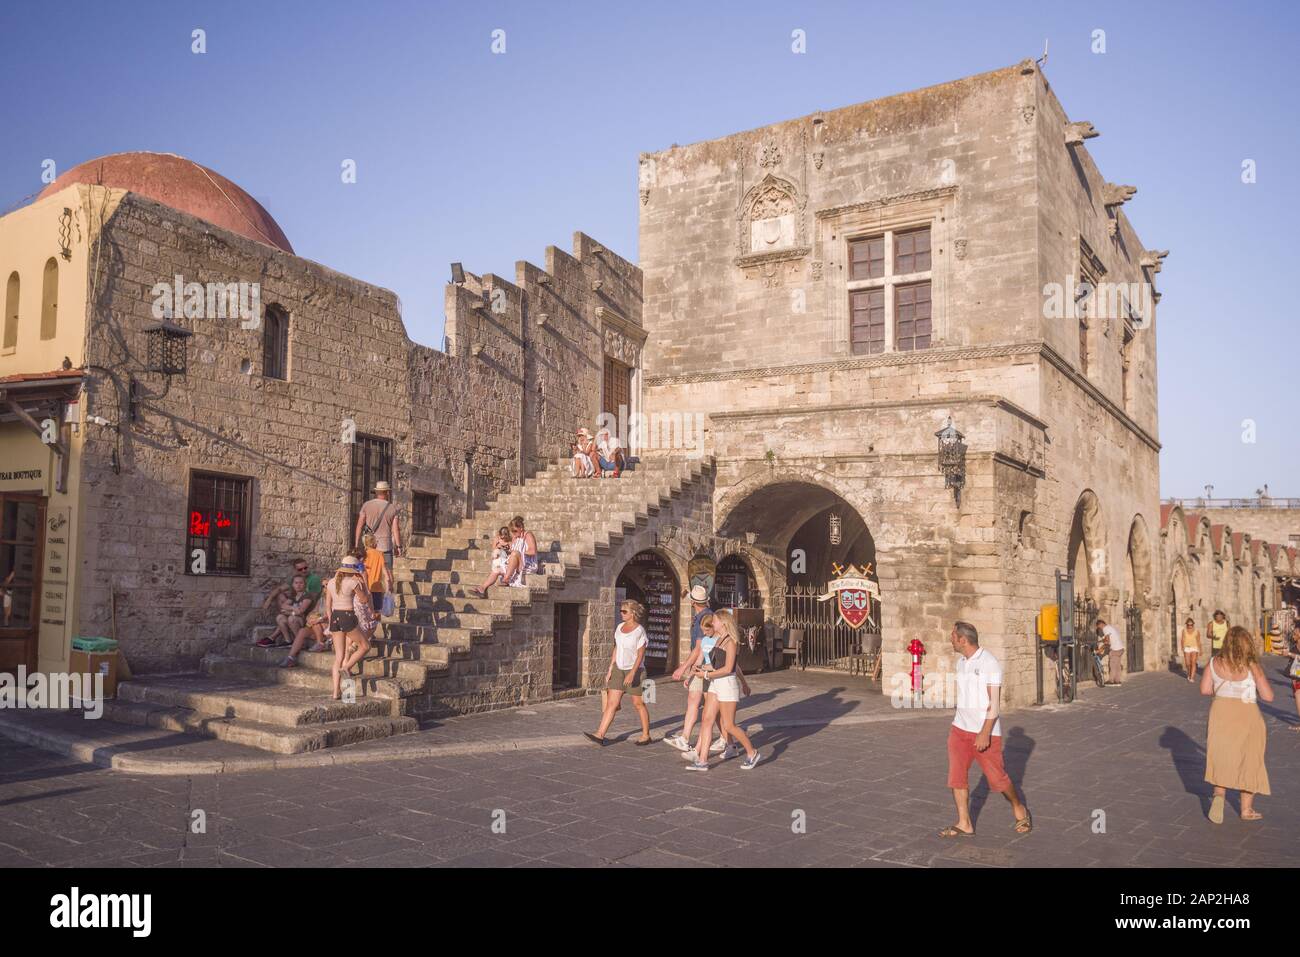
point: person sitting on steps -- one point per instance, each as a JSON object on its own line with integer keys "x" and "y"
{"x": 522, "y": 560}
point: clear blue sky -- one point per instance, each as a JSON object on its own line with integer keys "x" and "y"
{"x": 465, "y": 155}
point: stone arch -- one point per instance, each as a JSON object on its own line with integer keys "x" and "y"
{"x": 771, "y": 217}
{"x": 1087, "y": 551}
{"x": 728, "y": 501}
{"x": 1139, "y": 584}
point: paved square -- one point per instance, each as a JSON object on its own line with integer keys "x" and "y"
{"x": 868, "y": 787}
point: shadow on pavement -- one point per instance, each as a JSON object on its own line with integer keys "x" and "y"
{"x": 1016, "y": 749}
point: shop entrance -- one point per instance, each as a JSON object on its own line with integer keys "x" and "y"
{"x": 650, "y": 580}
{"x": 22, "y": 522}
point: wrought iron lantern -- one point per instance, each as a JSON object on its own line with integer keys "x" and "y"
{"x": 168, "y": 347}
{"x": 952, "y": 459}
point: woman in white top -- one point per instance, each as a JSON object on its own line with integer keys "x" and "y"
{"x": 1235, "y": 741}
{"x": 721, "y": 694}
{"x": 584, "y": 455}
{"x": 625, "y": 672}
{"x": 1191, "y": 648}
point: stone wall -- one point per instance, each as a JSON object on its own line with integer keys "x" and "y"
{"x": 350, "y": 360}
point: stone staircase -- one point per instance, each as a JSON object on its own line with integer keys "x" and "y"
{"x": 443, "y": 651}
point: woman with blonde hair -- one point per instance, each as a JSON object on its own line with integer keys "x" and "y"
{"x": 1191, "y": 648}
{"x": 351, "y": 618}
{"x": 721, "y": 693}
{"x": 625, "y": 671}
{"x": 1235, "y": 741}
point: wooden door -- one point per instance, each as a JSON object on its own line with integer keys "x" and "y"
{"x": 22, "y": 527}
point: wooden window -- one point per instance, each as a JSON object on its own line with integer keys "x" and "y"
{"x": 912, "y": 251}
{"x": 11, "y": 313}
{"x": 867, "y": 257}
{"x": 912, "y": 317}
{"x": 424, "y": 513}
{"x": 372, "y": 462}
{"x": 218, "y": 523}
{"x": 275, "y": 343}
{"x": 867, "y": 321}
{"x": 50, "y": 300}
{"x": 618, "y": 388}
{"x": 1083, "y": 344}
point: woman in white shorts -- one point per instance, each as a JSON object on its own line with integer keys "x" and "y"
{"x": 722, "y": 693}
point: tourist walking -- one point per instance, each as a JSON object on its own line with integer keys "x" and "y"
{"x": 1293, "y": 652}
{"x": 702, "y": 639}
{"x": 351, "y": 618}
{"x": 1115, "y": 642}
{"x": 379, "y": 578}
{"x": 1218, "y": 632}
{"x": 1191, "y": 648}
{"x": 1236, "y": 737}
{"x": 379, "y": 516}
{"x": 722, "y": 688}
{"x": 976, "y": 732}
{"x": 625, "y": 672}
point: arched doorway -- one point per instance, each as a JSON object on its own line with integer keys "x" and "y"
{"x": 735, "y": 584}
{"x": 1137, "y": 585}
{"x": 1086, "y": 558}
{"x": 811, "y": 535}
{"x": 648, "y": 578}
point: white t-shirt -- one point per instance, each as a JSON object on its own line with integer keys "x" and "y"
{"x": 626, "y": 645}
{"x": 1116, "y": 639}
{"x": 975, "y": 675}
{"x": 607, "y": 447}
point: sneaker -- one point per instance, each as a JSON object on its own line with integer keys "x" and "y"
{"x": 688, "y": 755}
{"x": 731, "y": 751}
{"x": 319, "y": 646}
{"x": 697, "y": 766}
{"x": 678, "y": 742}
{"x": 267, "y": 642}
{"x": 749, "y": 763}
{"x": 289, "y": 662}
{"x": 717, "y": 745}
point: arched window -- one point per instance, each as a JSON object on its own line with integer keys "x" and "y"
{"x": 275, "y": 343}
{"x": 10, "y": 340}
{"x": 50, "y": 300}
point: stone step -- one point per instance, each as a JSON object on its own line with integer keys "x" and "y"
{"x": 380, "y": 677}
{"x": 434, "y": 658}
{"x": 275, "y": 704}
{"x": 266, "y": 737}
{"x": 451, "y": 638}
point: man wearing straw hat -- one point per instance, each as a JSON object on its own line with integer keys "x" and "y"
{"x": 379, "y": 517}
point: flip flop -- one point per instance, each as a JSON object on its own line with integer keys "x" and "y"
{"x": 951, "y": 831}
{"x": 1216, "y": 809}
{"x": 1025, "y": 824}
{"x": 640, "y": 743}
{"x": 591, "y": 737}
{"x": 1252, "y": 816}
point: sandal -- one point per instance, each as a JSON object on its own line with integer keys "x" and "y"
{"x": 1025, "y": 824}
{"x": 1252, "y": 816}
{"x": 1216, "y": 809}
{"x": 591, "y": 737}
{"x": 639, "y": 742}
{"x": 953, "y": 831}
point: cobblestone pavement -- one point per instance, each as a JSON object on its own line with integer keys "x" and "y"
{"x": 869, "y": 788}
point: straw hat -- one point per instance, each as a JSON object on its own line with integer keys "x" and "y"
{"x": 383, "y": 487}
{"x": 699, "y": 595}
{"x": 584, "y": 433}
{"x": 350, "y": 564}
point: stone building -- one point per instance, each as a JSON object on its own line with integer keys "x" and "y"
{"x": 817, "y": 302}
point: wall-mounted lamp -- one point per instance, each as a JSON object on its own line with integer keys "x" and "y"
{"x": 952, "y": 459}
{"x": 168, "y": 347}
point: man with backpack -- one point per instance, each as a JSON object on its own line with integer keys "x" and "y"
{"x": 379, "y": 517}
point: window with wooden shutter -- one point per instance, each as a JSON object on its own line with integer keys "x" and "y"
{"x": 912, "y": 251}
{"x": 618, "y": 388}
{"x": 912, "y": 317}
{"x": 867, "y": 258}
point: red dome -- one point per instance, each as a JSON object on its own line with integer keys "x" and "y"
{"x": 181, "y": 184}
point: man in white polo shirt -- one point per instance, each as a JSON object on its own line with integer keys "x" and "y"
{"x": 1110, "y": 634}
{"x": 976, "y": 732}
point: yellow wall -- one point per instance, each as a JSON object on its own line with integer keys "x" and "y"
{"x": 29, "y": 237}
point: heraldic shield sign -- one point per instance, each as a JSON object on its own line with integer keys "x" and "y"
{"x": 853, "y": 592}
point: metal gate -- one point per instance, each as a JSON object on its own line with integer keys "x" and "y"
{"x": 1133, "y": 637}
{"x": 824, "y": 640}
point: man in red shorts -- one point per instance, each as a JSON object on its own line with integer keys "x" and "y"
{"x": 976, "y": 732}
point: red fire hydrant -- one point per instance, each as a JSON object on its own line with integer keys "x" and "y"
{"x": 916, "y": 650}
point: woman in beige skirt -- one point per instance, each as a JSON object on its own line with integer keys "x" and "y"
{"x": 1234, "y": 744}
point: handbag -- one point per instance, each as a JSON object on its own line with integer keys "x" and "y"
{"x": 386, "y": 607}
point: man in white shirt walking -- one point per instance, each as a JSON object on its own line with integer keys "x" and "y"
{"x": 976, "y": 732}
{"x": 1110, "y": 634}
